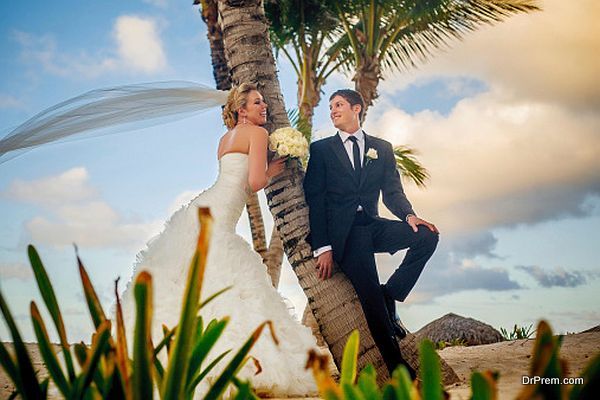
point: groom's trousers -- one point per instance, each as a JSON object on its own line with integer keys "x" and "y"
{"x": 368, "y": 236}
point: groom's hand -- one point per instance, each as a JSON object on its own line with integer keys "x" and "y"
{"x": 325, "y": 264}
{"x": 415, "y": 221}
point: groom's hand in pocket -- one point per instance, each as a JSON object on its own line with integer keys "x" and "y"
{"x": 325, "y": 264}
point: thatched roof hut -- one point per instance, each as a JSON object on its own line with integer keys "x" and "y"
{"x": 452, "y": 327}
{"x": 594, "y": 329}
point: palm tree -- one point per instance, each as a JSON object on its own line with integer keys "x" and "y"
{"x": 304, "y": 30}
{"x": 333, "y": 302}
{"x": 394, "y": 34}
{"x": 273, "y": 254}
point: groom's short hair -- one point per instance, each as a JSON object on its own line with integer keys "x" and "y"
{"x": 353, "y": 97}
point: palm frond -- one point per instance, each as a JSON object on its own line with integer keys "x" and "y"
{"x": 424, "y": 26}
{"x": 410, "y": 167}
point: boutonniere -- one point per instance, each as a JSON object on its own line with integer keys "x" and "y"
{"x": 371, "y": 155}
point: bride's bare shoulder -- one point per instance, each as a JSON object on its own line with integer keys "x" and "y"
{"x": 251, "y": 130}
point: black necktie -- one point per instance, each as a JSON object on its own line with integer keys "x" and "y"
{"x": 356, "y": 153}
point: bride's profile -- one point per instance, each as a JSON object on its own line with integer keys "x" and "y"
{"x": 243, "y": 167}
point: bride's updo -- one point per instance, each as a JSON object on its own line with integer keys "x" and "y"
{"x": 238, "y": 98}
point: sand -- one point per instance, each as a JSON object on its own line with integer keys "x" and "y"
{"x": 511, "y": 359}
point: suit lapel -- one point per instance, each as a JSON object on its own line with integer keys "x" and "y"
{"x": 340, "y": 151}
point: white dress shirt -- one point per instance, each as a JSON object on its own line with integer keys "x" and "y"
{"x": 360, "y": 136}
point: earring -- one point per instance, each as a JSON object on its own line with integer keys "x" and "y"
{"x": 244, "y": 120}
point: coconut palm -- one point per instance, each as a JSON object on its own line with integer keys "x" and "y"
{"x": 273, "y": 254}
{"x": 385, "y": 36}
{"x": 333, "y": 302}
{"x": 304, "y": 31}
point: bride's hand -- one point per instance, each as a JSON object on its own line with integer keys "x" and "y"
{"x": 276, "y": 166}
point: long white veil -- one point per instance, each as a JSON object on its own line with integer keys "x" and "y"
{"x": 111, "y": 110}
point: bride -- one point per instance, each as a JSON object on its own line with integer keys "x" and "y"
{"x": 243, "y": 167}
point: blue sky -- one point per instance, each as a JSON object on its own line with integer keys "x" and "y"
{"x": 506, "y": 121}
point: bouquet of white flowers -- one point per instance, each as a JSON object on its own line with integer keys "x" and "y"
{"x": 288, "y": 142}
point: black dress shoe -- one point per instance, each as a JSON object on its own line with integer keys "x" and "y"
{"x": 399, "y": 329}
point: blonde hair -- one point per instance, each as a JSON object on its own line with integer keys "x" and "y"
{"x": 238, "y": 98}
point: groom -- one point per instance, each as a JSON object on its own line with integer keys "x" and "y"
{"x": 346, "y": 174}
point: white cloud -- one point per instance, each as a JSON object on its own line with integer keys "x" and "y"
{"x": 7, "y": 101}
{"x": 15, "y": 270}
{"x": 549, "y": 56}
{"x": 75, "y": 213}
{"x": 138, "y": 49}
{"x": 158, "y": 3}
{"x": 68, "y": 187}
{"x": 139, "y": 43}
{"x": 496, "y": 160}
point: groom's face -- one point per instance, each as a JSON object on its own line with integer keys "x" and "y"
{"x": 344, "y": 116}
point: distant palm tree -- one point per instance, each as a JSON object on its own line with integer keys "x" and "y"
{"x": 304, "y": 31}
{"x": 389, "y": 35}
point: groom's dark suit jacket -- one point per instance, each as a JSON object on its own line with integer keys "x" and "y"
{"x": 333, "y": 193}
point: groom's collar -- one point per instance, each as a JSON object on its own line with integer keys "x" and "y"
{"x": 359, "y": 134}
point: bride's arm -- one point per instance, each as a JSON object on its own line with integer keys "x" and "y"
{"x": 258, "y": 173}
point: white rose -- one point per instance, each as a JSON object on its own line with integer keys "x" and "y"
{"x": 283, "y": 150}
{"x": 372, "y": 154}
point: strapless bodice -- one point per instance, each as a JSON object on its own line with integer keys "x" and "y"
{"x": 227, "y": 197}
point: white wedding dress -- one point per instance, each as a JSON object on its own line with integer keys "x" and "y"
{"x": 231, "y": 262}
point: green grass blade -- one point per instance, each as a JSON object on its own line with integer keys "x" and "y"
{"x": 9, "y": 365}
{"x": 142, "y": 350}
{"x": 351, "y": 392}
{"x": 244, "y": 390}
{"x": 81, "y": 353}
{"x": 349, "y": 359}
{"x": 165, "y": 340}
{"x": 93, "y": 302}
{"x": 29, "y": 387}
{"x": 367, "y": 383}
{"x": 236, "y": 363}
{"x": 50, "y": 359}
{"x": 47, "y": 292}
{"x": 176, "y": 373}
{"x": 430, "y": 372}
{"x": 99, "y": 342}
{"x": 198, "y": 378}
{"x": 480, "y": 388}
{"x": 404, "y": 383}
{"x": 214, "y": 296}
{"x": 204, "y": 345}
{"x": 122, "y": 354}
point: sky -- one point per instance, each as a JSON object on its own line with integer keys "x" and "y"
{"x": 507, "y": 121}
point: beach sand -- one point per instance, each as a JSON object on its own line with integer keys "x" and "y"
{"x": 510, "y": 358}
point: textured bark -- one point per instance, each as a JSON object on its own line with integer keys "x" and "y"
{"x": 333, "y": 302}
{"x": 210, "y": 16}
{"x": 366, "y": 78}
{"x": 309, "y": 89}
{"x": 273, "y": 255}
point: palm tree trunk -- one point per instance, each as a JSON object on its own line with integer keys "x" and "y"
{"x": 210, "y": 15}
{"x": 309, "y": 90}
{"x": 366, "y": 78}
{"x": 333, "y": 302}
{"x": 273, "y": 255}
